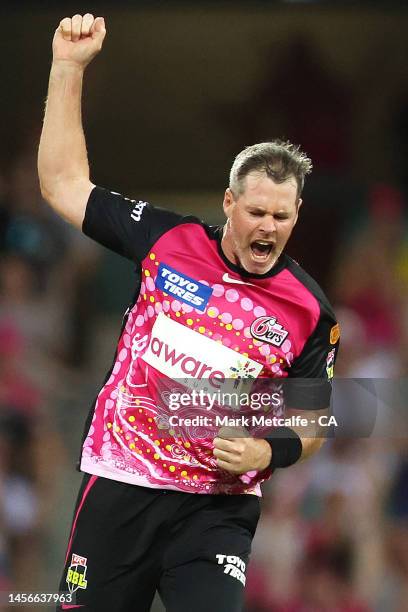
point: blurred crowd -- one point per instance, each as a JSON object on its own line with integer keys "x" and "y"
{"x": 334, "y": 531}
{"x": 43, "y": 300}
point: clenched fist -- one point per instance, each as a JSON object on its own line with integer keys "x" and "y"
{"x": 239, "y": 455}
{"x": 78, "y": 39}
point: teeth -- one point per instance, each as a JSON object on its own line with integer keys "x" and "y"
{"x": 264, "y": 249}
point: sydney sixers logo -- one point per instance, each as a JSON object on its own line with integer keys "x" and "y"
{"x": 267, "y": 329}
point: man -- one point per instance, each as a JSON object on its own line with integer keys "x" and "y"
{"x": 163, "y": 506}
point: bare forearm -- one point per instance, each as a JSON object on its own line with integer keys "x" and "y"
{"x": 62, "y": 159}
{"x": 62, "y": 153}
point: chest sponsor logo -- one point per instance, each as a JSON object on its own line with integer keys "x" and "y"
{"x": 183, "y": 287}
{"x": 77, "y": 573}
{"x": 187, "y": 356}
{"x": 267, "y": 329}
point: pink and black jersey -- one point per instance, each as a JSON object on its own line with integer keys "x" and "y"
{"x": 195, "y": 317}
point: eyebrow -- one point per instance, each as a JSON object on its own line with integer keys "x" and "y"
{"x": 258, "y": 208}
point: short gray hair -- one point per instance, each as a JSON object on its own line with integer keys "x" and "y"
{"x": 280, "y": 160}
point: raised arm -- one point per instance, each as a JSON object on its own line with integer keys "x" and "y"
{"x": 62, "y": 158}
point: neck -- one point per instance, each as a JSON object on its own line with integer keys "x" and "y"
{"x": 227, "y": 246}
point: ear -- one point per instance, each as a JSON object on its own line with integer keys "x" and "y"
{"x": 228, "y": 202}
{"x": 299, "y": 204}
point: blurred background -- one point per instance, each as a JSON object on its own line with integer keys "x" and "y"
{"x": 178, "y": 90}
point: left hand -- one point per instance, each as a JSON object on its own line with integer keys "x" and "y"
{"x": 239, "y": 455}
{"x": 78, "y": 39}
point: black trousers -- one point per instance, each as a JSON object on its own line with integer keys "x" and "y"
{"x": 127, "y": 542}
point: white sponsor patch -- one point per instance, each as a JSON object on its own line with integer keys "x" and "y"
{"x": 233, "y": 566}
{"x": 136, "y": 213}
{"x": 185, "y": 355}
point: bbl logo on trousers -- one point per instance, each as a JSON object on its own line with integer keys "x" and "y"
{"x": 77, "y": 573}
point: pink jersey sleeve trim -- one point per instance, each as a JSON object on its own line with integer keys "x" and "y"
{"x": 81, "y": 503}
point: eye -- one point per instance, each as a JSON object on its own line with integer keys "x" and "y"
{"x": 281, "y": 217}
{"x": 256, "y": 213}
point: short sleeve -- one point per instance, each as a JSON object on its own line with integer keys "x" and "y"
{"x": 127, "y": 227}
{"x": 309, "y": 382}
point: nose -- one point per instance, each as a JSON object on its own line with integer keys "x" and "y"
{"x": 268, "y": 225}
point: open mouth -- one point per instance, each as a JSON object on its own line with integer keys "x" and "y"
{"x": 261, "y": 249}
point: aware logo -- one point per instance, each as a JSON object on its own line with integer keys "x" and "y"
{"x": 181, "y": 353}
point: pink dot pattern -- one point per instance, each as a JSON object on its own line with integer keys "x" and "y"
{"x": 247, "y": 304}
{"x": 218, "y": 290}
{"x": 259, "y": 311}
{"x": 237, "y": 324}
{"x": 231, "y": 295}
{"x": 150, "y": 284}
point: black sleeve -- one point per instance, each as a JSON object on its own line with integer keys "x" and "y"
{"x": 128, "y": 227}
{"x": 309, "y": 382}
